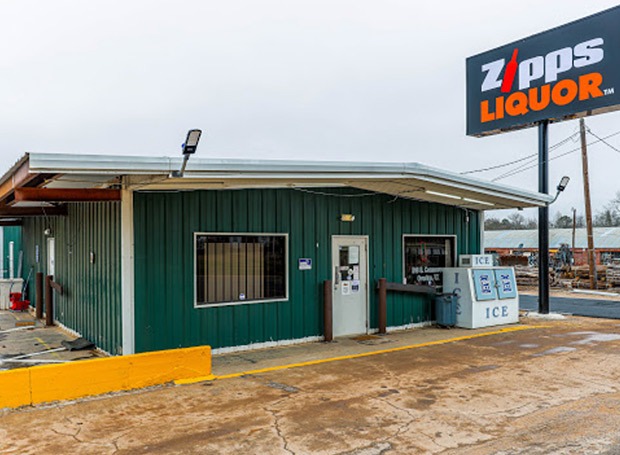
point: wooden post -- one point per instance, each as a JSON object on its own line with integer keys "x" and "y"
{"x": 328, "y": 317}
{"x": 39, "y": 295}
{"x": 574, "y": 229}
{"x": 586, "y": 196}
{"x": 382, "y": 306}
{"x": 49, "y": 302}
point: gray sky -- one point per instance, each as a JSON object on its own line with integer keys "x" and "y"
{"x": 334, "y": 80}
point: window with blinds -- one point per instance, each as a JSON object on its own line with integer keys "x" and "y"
{"x": 240, "y": 268}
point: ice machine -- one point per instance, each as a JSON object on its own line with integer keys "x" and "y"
{"x": 488, "y": 295}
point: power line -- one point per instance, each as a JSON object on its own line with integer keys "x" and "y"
{"x": 528, "y": 165}
{"x": 522, "y": 169}
{"x": 603, "y": 140}
{"x": 510, "y": 172}
{"x": 475, "y": 171}
{"x": 519, "y": 170}
{"x": 498, "y": 166}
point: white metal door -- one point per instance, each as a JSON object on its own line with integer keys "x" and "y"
{"x": 50, "y": 256}
{"x": 350, "y": 290}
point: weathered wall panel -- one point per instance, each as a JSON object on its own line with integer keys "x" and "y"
{"x": 90, "y": 303}
{"x": 164, "y": 270}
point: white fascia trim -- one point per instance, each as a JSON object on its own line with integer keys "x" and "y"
{"x": 448, "y": 177}
{"x": 262, "y": 169}
{"x": 537, "y": 199}
{"x": 127, "y": 273}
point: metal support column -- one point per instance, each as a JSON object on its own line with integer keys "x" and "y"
{"x": 543, "y": 218}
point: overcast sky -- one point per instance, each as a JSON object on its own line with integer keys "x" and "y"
{"x": 333, "y": 80}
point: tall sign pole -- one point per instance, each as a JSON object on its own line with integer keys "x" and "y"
{"x": 543, "y": 218}
{"x": 586, "y": 196}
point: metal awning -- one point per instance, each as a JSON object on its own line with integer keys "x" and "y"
{"x": 98, "y": 177}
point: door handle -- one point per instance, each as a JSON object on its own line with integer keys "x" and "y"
{"x": 336, "y": 276}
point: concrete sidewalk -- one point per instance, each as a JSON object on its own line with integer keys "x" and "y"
{"x": 21, "y": 336}
{"x": 245, "y": 362}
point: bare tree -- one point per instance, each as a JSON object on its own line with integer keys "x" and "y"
{"x": 610, "y": 215}
{"x": 513, "y": 221}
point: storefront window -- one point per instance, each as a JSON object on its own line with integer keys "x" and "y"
{"x": 425, "y": 256}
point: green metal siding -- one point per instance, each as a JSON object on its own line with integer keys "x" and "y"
{"x": 165, "y": 223}
{"x": 11, "y": 234}
{"x": 91, "y": 301}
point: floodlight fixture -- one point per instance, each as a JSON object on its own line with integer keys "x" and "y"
{"x": 188, "y": 148}
{"x": 563, "y": 183}
{"x": 191, "y": 142}
{"x": 561, "y": 187}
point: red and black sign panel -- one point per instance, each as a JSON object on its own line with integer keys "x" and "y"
{"x": 567, "y": 72}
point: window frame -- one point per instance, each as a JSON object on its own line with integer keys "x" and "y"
{"x": 454, "y": 253}
{"x": 241, "y": 302}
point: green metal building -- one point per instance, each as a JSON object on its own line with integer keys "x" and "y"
{"x": 235, "y": 253}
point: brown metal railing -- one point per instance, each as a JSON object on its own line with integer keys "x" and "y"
{"x": 383, "y": 286}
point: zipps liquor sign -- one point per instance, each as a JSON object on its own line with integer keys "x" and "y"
{"x": 567, "y": 72}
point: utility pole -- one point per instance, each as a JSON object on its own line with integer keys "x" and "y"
{"x": 574, "y": 228}
{"x": 586, "y": 196}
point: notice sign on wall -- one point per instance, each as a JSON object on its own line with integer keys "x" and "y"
{"x": 567, "y": 72}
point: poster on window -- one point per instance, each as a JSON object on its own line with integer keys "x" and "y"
{"x": 426, "y": 276}
{"x": 425, "y": 256}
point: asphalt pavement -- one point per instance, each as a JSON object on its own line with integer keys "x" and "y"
{"x": 594, "y": 308}
{"x": 541, "y": 387}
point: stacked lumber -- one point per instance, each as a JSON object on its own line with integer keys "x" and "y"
{"x": 513, "y": 260}
{"x": 613, "y": 274}
{"x": 527, "y": 276}
{"x": 578, "y": 277}
{"x": 582, "y": 277}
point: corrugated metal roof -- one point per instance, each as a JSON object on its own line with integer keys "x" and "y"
{"x": 407, "y": 180}
{"x": 604, "y": 238}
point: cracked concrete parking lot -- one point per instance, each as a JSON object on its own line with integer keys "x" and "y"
{"x": 550, "y": 390}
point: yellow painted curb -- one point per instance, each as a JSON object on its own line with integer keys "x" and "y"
{"x": 67, "y": 381}
{"x": 357, "y": 356}
{"x": 14, "y": 388}
{"x": 210, "y": 377}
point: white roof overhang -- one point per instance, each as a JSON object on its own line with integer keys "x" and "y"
{"x": 404, "y": 180}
